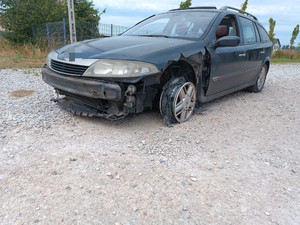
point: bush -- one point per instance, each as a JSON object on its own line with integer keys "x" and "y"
{"x": 286, "y": 54}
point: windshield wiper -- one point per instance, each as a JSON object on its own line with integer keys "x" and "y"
{"x": 154, "y": 35}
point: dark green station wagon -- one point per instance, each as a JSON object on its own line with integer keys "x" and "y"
{"x": 173, "y": 61}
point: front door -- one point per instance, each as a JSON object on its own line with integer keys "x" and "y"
{"x": 227, "y": 63}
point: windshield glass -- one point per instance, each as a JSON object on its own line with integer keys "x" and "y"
{"x": 182, "y": 24}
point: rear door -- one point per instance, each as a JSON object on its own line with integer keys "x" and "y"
{"x": 253, "y": 50}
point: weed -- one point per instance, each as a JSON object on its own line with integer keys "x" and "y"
{"x": 21, "y": 56}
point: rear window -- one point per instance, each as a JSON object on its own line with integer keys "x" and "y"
{"x": 181, "y": 24}
{"x": 263, "y": 34}
{"x": 248, "y": 31}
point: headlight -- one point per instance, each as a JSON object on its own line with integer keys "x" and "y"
{"x": 119, "y": 68}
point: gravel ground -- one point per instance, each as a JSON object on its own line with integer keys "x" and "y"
{"x": 237, "y": 162}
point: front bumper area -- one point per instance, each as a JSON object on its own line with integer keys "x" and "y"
{"x": 82, "y": 86}
{"x": 109, "y": 99}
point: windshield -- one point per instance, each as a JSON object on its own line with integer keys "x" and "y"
{"x": 181, "y": 24}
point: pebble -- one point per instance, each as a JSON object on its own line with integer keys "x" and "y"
{"x": 135, "y": 209}
{"x": 73, "y": 159}
{"x": 54, "y": 173}
{"x": 194, "y": 179}
{"x": 184, "y": 208}
{"x": 162, "y": 160}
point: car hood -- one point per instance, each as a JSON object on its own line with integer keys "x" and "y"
{"x": 156, "y": 50}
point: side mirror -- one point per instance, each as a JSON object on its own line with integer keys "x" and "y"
{"x": 228, "y": 41}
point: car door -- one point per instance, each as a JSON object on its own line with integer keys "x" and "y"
{"x": 227, "y": 63}
{"x": 253, "y": 50}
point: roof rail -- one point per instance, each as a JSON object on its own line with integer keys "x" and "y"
{"x": 200, "y": 7}
{"x": 240, "y": 11}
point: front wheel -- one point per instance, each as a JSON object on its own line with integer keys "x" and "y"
{"x": 177, "y": 101}
{"x": 260, "y": 82}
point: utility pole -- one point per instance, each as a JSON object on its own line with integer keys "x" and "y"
{"x": 72, "y": 21}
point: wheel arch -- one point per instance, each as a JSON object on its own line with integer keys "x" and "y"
{"x": 188, "y": 67}
{"x": 268, "y": 63}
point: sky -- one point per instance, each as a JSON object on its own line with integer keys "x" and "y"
{"x": 286, "y": 13}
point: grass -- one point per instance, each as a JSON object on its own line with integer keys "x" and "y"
{"x": 284, "y": 61}
{"x": 285, "y": 56}
{"x": 20, "y": 56}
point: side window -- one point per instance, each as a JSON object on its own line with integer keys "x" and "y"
{"x": 263, "y": 34}
{"x": 227, "y": 27}
{"x": 257, "y": 34}
{"x": 248, "y": 31}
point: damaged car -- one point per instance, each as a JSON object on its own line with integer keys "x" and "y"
{"x": 173, "y": 61}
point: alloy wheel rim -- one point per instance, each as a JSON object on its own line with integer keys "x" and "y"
{"x": 184, "y": 102}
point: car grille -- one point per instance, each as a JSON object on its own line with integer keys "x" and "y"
{"x": 68, "y": 69}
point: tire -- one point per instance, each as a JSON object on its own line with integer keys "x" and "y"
{"x": 260, "y": 82}
{"x": 177, "y": 101}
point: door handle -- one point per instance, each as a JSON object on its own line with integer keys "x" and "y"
{"x": 242, "y": 54}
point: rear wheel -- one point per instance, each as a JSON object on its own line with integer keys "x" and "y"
{"x": 260, "y": 82}
{"x": 177, "y": 101}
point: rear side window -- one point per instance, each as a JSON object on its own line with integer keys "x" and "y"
{"x": 248, "y": 31}
{"x": 263, "y": 34}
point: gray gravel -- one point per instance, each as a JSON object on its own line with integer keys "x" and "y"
{"x": 237, "y": 162}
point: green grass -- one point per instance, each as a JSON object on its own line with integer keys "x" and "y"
{"x": 284, "y": 61}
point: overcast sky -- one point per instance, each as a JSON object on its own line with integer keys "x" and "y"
{"x": 128, "y": 12}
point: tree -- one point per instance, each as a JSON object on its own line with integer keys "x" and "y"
{"x": 272, "y": 24}
{"x": 19, "y": 16}
{"x": 87, "y": 19}
{"x": 244, "y": 5}
{"x": 85, "y": 11}
{"x": 294, "y": 36}
{"x": 185, "y": 4}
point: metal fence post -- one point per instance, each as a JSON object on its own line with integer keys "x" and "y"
{"x": 65, "y": 34}
{"x": 33, "y": 33}
{"x": 48, "y": 35}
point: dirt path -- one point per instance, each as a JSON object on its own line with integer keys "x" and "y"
{"x": 235, "y": 163}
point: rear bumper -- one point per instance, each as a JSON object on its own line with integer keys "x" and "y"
{"x": 82, "y": 86}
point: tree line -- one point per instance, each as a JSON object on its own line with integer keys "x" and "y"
{"x": 18, "y": 17}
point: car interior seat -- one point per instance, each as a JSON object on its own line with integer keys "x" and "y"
{"x": 222, "y": 31}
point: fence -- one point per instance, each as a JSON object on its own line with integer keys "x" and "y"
{"x": 111, "y": 30}
{"x": 57, "y": 33}
{"x": 50, "y": 34}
